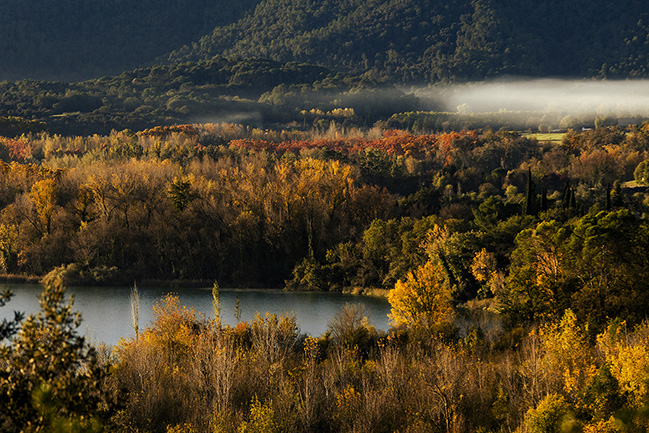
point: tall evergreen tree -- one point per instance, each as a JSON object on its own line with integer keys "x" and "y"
{"x": 608, "y": 196}
{"x": 573, "y": 201}
{"x": 544, "y": 199}
{"x": 565, "y": 200}
{"x": 530, "y": 200}
{"x": 617, "y": 197}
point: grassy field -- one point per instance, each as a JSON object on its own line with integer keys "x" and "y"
{"x": 554, "y": 137}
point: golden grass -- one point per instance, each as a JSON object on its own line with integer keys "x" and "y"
{"x": 553, "y": 137}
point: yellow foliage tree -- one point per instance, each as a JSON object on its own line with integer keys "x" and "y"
{"x": 423, "y": 299}
{"x": 43, "y": 194}
{"x": 567, "y": 358}
{"x": 8, "y": 238}
{"x": 483, "y": 265}
{"x": 628, "y": 358}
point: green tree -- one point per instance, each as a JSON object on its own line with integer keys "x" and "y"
{"x": 52, "y": 380}
{"x": 180, "y": 192}
{"x": 530, "y": 195}
{"x": 537, "y": 288}
{"x": 609, "y": 254}
{"x": 641, "y": 173}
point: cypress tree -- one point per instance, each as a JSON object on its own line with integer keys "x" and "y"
{"x": 544, "y": 199}
{"x": 530, "y": 200}
{"x": 573, "y": 200}
{"x": 608, "y": 196}
{"x": 617, "y": 198}
{"x": 565, "y": 200}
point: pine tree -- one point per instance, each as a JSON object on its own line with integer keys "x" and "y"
{"x": 53, "y": 380}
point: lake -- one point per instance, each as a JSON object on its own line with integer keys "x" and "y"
{"x": 106, "y": 311}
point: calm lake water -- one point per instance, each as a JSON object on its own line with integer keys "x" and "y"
{"x": 106, "y": 311}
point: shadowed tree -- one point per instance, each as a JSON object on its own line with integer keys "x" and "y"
{"x": 530, "y": 198}
{"x": 52, "y": 380}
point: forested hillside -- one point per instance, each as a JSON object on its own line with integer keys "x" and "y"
{"x": 405, "y": 40}
{"x": 256, "y": 92}
{"x": 431, "y": 40}
{"x": 77, "y": 39}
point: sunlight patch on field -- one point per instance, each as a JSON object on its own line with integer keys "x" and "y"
{"x": 552, "y": 137}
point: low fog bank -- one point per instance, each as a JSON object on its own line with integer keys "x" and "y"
{"x": 620, "y": 98}
{"x": 250, "y": 118}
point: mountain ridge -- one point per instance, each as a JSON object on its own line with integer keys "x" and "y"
{"x": 73, "y": 40}
{"x": 386, "y": 40}
{"x": 430, "y": 41}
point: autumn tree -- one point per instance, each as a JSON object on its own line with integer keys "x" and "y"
{"x": 423, "y": 299}
{"x": 43, "y": 194}
{"x": 568, "y": 364}
{"x": 626, "y": 353}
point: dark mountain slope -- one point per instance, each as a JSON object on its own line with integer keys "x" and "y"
{"x": 432, "y": 40}
{"x": 78, "y": 39}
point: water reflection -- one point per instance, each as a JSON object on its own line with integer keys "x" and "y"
{"x": 106, "y": 311}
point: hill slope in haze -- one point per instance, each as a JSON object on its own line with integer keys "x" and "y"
{"x": 79, "y": 39}
{"x": 256, "y": 92}
{"x": 398, "y": 40}
{"x": 432, "y": 40}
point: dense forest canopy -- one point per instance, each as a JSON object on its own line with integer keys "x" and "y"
{"x": 329, "y": 210}
{"x": 405, "y": 41}
{"x": 432, "y": 40}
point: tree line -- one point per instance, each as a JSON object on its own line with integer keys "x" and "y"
{"x": 255, "y": 92}
{"x": 251, "y": 206}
